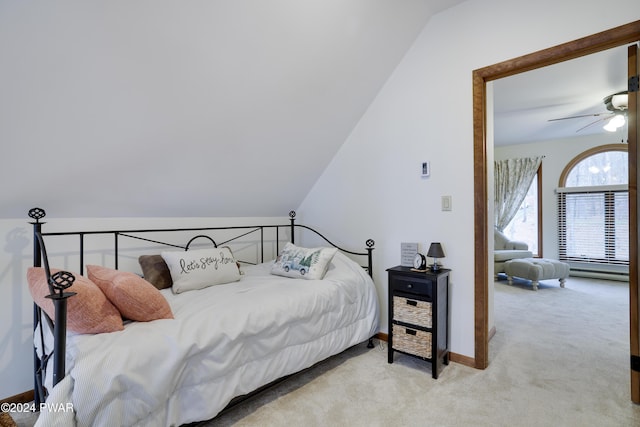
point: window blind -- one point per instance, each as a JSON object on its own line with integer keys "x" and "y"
{"x": 593, "y": 225}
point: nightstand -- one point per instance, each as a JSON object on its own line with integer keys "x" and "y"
{"x": 418, "y": 315}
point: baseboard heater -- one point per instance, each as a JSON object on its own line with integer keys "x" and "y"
{"x": 605, "y": 275}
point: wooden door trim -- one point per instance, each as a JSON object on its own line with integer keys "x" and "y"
{"x": 614, "y": 37}
{"x": 634, "y": 321}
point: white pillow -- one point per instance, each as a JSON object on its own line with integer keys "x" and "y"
{"x": 201, "y": 268}
{"x": 303, "y": 263}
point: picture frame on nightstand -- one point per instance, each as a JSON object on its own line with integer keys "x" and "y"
{"x": 408, "y": 252}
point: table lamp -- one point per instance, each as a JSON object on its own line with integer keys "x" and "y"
{"x": 435, "y": 252}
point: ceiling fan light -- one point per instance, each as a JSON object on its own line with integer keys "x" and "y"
{"x": 610, "y": 127}
{"x": 615, "y": 122}
{"x": 620, "y": 101}
{"x": 618, "y": 120}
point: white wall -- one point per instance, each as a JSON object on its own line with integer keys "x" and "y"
{"x": 372, "y": 188}
{"x": 16, "y": 307}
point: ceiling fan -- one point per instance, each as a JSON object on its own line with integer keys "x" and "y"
{"x": 616, "y": 113}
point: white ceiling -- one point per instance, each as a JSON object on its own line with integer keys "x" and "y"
{"x": 200, "y": 108}
{"x": 524, "y": 103}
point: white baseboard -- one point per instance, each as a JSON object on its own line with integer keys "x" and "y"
{"x": 605, "y": 275}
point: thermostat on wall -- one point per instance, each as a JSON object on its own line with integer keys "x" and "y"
{"x": 426, "y": 169}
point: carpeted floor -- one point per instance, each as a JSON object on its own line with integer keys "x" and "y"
{"x": 560, "y": 357}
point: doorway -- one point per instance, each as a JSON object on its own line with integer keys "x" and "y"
{"x": 626, "y": 34}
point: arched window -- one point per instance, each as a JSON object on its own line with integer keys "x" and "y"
{"x": 593, "y": 207}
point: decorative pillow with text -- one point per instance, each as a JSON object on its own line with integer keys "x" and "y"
{"x": 201, "y": 268}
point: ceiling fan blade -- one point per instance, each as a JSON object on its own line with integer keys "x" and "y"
{"x": 592, "y": 123}
{"x": 577, "y": 117}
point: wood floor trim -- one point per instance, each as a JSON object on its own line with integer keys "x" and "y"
{"x": 382, "y": 336}
{"x": 462, "y": 359}
{"x": 23, "y": 397}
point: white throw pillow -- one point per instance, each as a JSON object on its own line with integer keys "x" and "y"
{"x": 201, "y": 268}
{"x": 303, "y": 263}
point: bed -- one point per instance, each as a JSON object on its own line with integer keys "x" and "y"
{"x": 217, "y": 344}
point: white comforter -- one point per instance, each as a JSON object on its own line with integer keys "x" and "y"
{"x": 225, "y": 341}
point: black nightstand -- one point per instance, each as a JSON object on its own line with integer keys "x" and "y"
{"x": 418, "y": 315}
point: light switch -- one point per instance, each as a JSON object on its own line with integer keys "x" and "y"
{"x": 446, "y": 203}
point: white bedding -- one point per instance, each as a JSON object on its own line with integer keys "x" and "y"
{"x": 225, "y": 341}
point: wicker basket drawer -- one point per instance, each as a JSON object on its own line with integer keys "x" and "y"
{"x": 413, "y": 311}
{"x": 413, "y": 341}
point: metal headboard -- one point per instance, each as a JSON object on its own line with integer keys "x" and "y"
{"x": 62, "y": 280}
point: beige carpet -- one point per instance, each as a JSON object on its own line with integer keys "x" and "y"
{"x": 560, "y": 357}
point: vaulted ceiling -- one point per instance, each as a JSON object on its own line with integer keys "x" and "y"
{"x": 199, "y": 108}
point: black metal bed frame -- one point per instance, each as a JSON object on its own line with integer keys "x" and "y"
{"x": 62, "y": 280}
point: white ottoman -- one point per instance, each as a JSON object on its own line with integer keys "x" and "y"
{"x": 536, "y": 269}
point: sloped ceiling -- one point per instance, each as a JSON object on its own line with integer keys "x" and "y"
{"x": 190, "y": 108}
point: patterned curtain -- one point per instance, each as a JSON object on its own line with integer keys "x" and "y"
{"x": 512, "y": 179}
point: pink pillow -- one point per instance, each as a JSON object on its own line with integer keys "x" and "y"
{"x": 88, "y": 312}
{"x": 136, "y": 298}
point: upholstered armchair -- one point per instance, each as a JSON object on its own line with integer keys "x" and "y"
{"x": 505, "y": 250}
